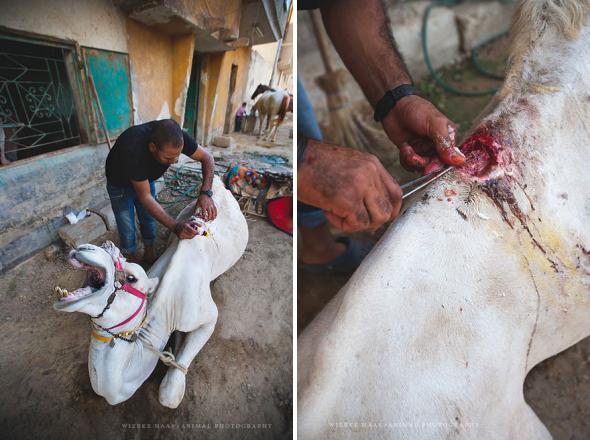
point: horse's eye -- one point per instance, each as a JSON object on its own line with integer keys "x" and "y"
{"x": 131, "y": 279}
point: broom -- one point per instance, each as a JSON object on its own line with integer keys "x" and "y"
{"x": 350, "y": 125}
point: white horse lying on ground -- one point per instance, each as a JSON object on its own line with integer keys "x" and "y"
{"x": 272, "y": 105}
{"x": 134, "y": 313}
{"x": 481, "y": 279}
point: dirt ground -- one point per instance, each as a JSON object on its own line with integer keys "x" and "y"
{"x": 556, "y": 389}
{"x": 242, "y": 376}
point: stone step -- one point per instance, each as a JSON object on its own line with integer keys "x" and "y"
{"x": 85, "y": 231}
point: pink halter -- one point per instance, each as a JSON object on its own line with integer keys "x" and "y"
{"x": 133, "y": 291}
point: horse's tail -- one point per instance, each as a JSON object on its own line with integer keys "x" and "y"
{"x": 283, "y": 108}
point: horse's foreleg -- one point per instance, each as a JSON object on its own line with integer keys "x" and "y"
{"x": 173, "y": 386}
{"x": 259, "y": 122}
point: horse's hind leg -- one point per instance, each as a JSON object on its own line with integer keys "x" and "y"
{"x": 276, "y": 130}
{"x": 272, "y": 134}
{"x": 260, "y": 131}
{"x": 174, "y": 383}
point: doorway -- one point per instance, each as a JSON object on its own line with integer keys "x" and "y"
{"x": 229, "y": 109}
{"x": 191, "y": 112}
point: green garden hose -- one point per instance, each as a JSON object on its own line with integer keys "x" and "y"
{"x": 436, "y": 76}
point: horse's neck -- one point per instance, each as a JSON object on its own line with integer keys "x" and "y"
{"x": 485, "y": 264}
{"x": 201, "y": 258}
{"x": 549, "y": 122}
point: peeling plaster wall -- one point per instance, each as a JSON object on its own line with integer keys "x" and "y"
{"x": 93, "y": 23}
{"x": 210, "y": 70}
{"x": 215, "y": 78}
{"x": 241, "y": 58}
{"x": 183, "y": 49}
{"x": 151, "y": 58}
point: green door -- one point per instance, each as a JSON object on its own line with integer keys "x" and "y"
{"x": 191, "y": 112}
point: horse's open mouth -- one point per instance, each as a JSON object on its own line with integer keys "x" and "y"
{"x": 95, "y": 281}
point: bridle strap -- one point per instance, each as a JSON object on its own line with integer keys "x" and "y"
{"x": 129, "y": 289}
{"x": 133, "y": 291}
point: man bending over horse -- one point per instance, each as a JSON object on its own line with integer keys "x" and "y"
{"x": 141, "y": 155}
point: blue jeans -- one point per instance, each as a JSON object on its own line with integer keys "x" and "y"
{"x": 307, "y": 216}
{"x": 124, "y": 202}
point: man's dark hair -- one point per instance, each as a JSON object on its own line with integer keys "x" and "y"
{"x": 166, "y": 131}
{"x": 243, "y": 104}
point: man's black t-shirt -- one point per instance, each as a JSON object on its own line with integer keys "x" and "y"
{"x": 130, "y": 158}
{"x": 308, "y": 4}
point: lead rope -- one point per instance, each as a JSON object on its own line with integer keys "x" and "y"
{"x": 167, "y": 357}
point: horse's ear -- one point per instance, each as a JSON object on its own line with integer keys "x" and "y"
{"x": 153, "y": 284}
{"x": 111, "y": 249}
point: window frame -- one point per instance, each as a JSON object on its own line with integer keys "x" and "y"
{"x": 88, "y": 124}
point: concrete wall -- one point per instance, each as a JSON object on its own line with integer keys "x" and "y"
{"x": 208, "y": 99}
{"x": 182, "y": 59}
{"x": 93, "y": 23}
{"x": 151, "y": 58}
{"x": 33, "y": 193}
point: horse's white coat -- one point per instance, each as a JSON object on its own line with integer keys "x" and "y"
{"x": 182, "y": 302}
{"x": 434, "y": 334}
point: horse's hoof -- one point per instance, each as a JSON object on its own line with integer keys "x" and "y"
{"x": 172, "y": 388}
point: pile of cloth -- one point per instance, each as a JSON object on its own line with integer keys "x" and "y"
{"x": 263, "y": 193}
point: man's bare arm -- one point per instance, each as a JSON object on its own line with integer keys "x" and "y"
{"x": 208, "y": 164}
{"x": 183, "y": 230}
{"x": 142, "y": 189}
{"x": 361, "y": 35}
{"x": 360, "y": 31}
{"x": 204, "y": 202}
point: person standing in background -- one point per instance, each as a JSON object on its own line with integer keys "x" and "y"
{"x": 241, "y": 113}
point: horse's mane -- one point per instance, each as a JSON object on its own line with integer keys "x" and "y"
{"x": 531, "y": 20}
{"x": 261, "y": 89}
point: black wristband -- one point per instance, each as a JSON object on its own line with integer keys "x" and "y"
{"x": 390, "y": 99}
{"x": 301, "y": 146}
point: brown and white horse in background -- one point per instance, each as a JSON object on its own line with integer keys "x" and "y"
{"x": 485, "y": 275}
{"x": 272, "y": 105}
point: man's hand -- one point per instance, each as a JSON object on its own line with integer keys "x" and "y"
{"x": 205, "y": 208}
{"x": 354, "y": 190}
{"x": 184, "y": 230}
{"x": 423, "y": 135}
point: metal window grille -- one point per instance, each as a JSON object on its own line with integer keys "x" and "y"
{"x": 37, "y": 112}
